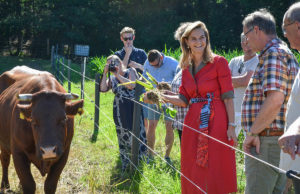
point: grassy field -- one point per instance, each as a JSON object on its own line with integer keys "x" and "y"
{"x": 95, "y": 167}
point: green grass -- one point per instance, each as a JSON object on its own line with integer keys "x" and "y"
{"x": 95, "y": 167}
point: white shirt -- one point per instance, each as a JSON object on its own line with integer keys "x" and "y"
{"x": 239, "y": 67}
{"x": 292, "y": 113}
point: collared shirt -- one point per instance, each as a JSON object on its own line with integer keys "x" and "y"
{"x": 276, "y": 71}
{"x": 164, "y": 73}
{"x": 181, "y": 111}
{"x": 137, "y": 55}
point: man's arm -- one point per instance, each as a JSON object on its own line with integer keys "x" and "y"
{"x": 128, "y": 50}
{"x": 268, "y": 112}
{"x": 242, "y": 81}
{"x": 136, "y": 65}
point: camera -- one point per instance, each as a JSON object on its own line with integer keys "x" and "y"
{"x": 112, "y": 66}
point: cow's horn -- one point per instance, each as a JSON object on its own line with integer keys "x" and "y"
{"x": 71, "y": 96}
{"x": 25, "y": 97}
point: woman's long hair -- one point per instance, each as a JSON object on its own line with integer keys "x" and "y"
{"x": 186, "y": 52}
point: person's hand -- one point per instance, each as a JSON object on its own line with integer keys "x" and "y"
{"x": 231, "y": 135}
{"x": 133, "y": 64}
{"x": 251, "y": 141}
{"x": 117, "y": 71}
{"x": 105, "y": 69}
{"x": 128, "y": 49}
{"x": 289, "y": 142}
{"x": 168, "y": 92}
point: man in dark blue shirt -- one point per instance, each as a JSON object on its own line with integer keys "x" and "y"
{"x": 131, "y": 56}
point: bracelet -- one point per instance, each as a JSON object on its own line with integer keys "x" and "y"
{"x": 232, "y": 124}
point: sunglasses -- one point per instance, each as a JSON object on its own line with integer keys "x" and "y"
{"x": 242, "y": 65}
{"x": 128, "y": 38}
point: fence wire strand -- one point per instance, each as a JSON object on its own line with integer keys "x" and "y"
{"x": 149, "y": 148}
{"x": 236, "y": 149}
{"x": 124, "y": 155}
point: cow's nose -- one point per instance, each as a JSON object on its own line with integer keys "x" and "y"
{"x": 48, "y": 152}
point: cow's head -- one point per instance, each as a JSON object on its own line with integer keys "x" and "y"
{"x": 49, "y": 114}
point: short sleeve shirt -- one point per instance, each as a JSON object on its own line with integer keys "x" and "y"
{"x": 239, "y": 67}
{"x": 276, "y": 71}
{"x": 137, "y": 55}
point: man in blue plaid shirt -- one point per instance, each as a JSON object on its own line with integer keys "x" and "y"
{"x": 265, "y": 101}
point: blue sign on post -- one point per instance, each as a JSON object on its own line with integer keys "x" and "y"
{"x": 82, "y": 50}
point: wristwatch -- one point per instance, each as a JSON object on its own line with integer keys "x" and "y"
{"x": 232, "y": 124}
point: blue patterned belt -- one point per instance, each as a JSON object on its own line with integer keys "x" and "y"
{"x": 209, "y": 98}
{"x": 205, "y": 110}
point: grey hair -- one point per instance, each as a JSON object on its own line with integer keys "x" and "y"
{"x": 263, "y": 19}
{"x": 243, "y": 37}
{"x": 293, "y": 13}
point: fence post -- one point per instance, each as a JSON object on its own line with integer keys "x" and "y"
{"x": 69, "y": 76}
{"x": 83, "y": 77}
{"x": 97, "y": 107}
{"x": 52, "y": 59}
{"x": 136, "y": 127}
{"x": 56, "y": 61}
{"x": 62, "y": 70}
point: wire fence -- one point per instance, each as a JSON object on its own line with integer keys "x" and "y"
{"x": 136, "y": 136}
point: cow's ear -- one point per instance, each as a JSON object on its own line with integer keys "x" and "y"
{"x": 25, "y": 111}
{"x": 74, "y": 108}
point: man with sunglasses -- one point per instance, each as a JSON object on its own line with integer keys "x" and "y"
{"x": 290, "y": 141}
{"x": 131, "y": 56}
{"x": 242, "y": 69}
{"x": 265, "y": 102}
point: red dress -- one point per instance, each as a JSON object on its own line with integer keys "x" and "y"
{"x": 220, "y": 174}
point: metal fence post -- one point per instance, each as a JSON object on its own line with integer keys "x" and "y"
{"x": 69, "y": 75}
{"x": 97, "y": 107}
{"x": 136, "y": 127}
{"x": 56, "y": 61}
{"x": 83, "y": 77}
{"x": 52, "y": 59}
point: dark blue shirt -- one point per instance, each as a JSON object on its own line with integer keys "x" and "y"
{"x": 137, "y": 55}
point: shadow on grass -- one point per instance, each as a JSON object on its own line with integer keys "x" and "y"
{"x": 126, "y": 181}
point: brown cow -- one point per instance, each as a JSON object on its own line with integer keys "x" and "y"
{"x": 36, "y": 126}
{"x": 17, "y": 73}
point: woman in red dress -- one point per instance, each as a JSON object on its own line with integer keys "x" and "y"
{"x": 207, "y": 87}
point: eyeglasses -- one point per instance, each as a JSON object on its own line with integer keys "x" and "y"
{"x": 284, "y": 26}
{"x": 249, "y": 31}
{"x": 128, "y": 38}
{"x": 242, "y": 65}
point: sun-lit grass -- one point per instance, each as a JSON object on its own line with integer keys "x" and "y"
{"x": 95, "y": 167}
